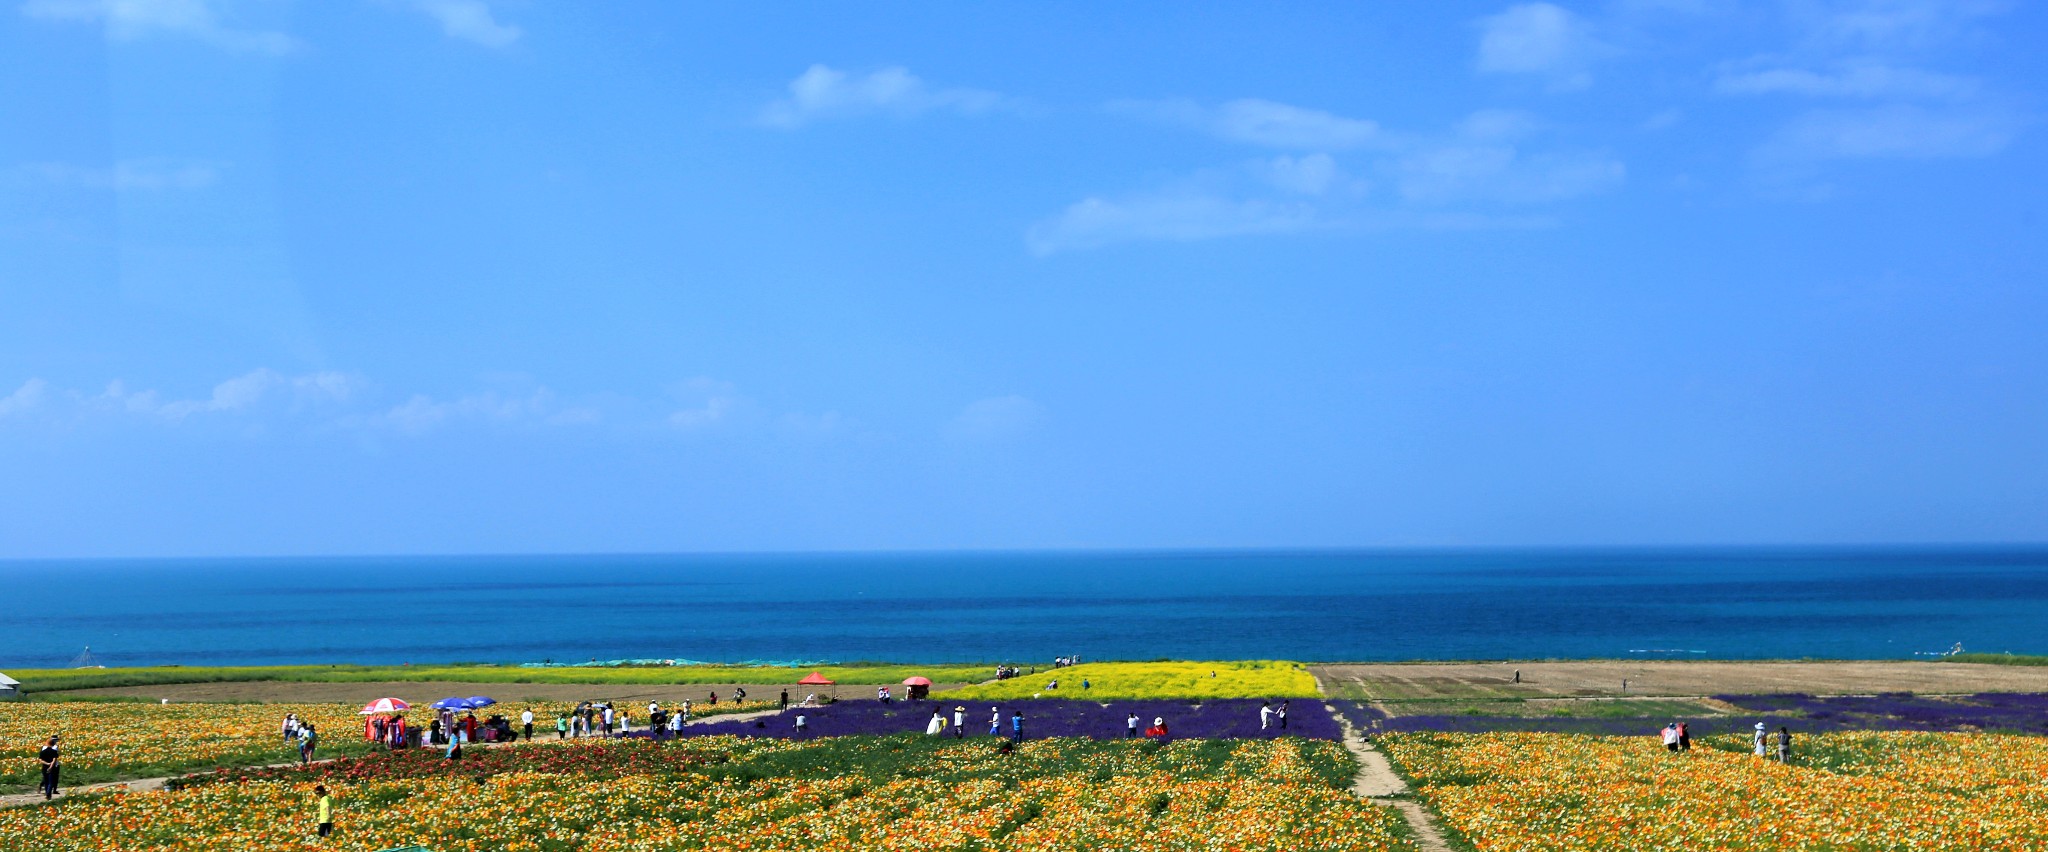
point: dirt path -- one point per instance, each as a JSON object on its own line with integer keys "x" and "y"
{"x": 1377, "y": 782}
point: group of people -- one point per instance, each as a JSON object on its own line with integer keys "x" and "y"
{"x": 1269, "y": 716}
{"x": 302, "y": 734}
{"x": 1678, "y": 738}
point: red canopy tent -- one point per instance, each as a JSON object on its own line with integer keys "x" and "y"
{"x": 815, "y": 679}
{"x": 920, "y": 687}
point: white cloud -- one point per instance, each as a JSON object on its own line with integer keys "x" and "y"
{"x": 1894, "y": 24}
{"x": 1539, "y": 39}
{"x": 246, "y": 392}
{"x": 1897, "y": 131}
{"x": 1265, "y": 123}
{"x": 24, "y": 399}
{"x": 1459, "y": 172}
{"x": 1309, "y": 174}
{"x": 141, "y": 175}
{"x": 469, "y": 20}
{"x": 996, "y": 419}
{"x": 130, "y": 20}
{"x": 822, "y": 92}
{"x": 1864, "y": 79}
{"x": 1177, "y": 217}
{"x": 709, "y": 402}
{"x": 422, "y": 413}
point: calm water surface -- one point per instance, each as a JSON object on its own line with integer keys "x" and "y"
{"x": 994, "y": 606}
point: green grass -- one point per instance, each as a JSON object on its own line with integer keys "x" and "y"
{"x": 49, "y": 680}
{"x": 2000, "y": 659}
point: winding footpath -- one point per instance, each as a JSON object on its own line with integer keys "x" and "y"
{"x": 1377, "y": 782}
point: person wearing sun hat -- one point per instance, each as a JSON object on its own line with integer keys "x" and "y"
{"x": 1758, "y": 739}
{"x": 959, "y": 721}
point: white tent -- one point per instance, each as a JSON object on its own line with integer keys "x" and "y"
{"x": 9, "y": 687}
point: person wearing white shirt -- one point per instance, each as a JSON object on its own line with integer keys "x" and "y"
{"x": 526, "y": 716}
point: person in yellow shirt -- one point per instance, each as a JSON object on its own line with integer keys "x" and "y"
{"x": 325, "y": 806}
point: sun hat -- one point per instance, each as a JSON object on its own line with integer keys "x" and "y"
{"x": 1158, "y": 720}
{"x": 1759, "y": 726}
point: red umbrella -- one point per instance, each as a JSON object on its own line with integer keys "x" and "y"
{"x": 384, "y": 705}
{"x": 917, "y": 681}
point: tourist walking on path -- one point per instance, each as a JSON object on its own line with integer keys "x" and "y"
{"x": 526, "y": 716}
{"x": 1784, "y": 745}
{"x": 1758, "y": 740}
{"x": 959, "y": 721}
{"x": 51, "y": 759}
{"x": 323, "y": 808}
{"x": 308, "y": 737}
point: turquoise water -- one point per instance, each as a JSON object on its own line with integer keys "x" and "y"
{"x": 1378, "y": 605}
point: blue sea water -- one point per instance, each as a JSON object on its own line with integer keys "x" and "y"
{"x": 979, "y": 607}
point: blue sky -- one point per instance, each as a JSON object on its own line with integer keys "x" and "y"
{"x": 436, "y": 276}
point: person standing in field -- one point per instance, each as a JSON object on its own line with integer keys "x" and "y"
{"x": 959, "y": 721}
{"x": 785, "y": 701}
{"x": 1671, "y": 737}
{"x": 323, "y": 808}
{"x": 1784, "y": 745}
{"x": 1131, "y": 726}
{"x": 1684, "y": 738}
{"x": 1017, "y": 725}
{"x": 995, "y": 721}
{"x": 1759, "y": 740}
{"x": 937, "y": 725}
{"x": 1280, "y": 715}
{"x": 1265, "y": 715}
{"x": 51, "y": 759}
{"x": 561, "y": 726}
{"x": 526, "y": 716}
{"x": 309, "y": 736}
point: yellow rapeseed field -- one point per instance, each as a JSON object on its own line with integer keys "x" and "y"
{"x": 1141, "y": 681}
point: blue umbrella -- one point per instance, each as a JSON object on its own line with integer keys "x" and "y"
{"x": 481, "y": 701}
{"x": 454, "y": 704}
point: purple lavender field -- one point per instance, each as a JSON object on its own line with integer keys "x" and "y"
{"x": 2019, "y": 712}
{"x": 1236, "y": 718}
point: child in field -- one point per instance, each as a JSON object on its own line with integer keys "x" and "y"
{"x": 324, "y": 810}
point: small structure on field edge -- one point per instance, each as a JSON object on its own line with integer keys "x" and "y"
{"x": 920, "y": 687}
{"x": 9, "y": 687}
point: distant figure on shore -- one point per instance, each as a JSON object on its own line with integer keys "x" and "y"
{"x": 1784, "y": 745}
{"x": 1758, "y": 740}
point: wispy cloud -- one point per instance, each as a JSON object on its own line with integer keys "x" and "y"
{"x": 142, "y": 175}
{"x": 469, "y": 20}
{"x": 1264, "y": 123}
{"x": 1897, "y": 131}
{"x": 1539, "y": 39}
{"x": 1865, "y": 79}
{"x": 129, "y": 20}
{"x": 996, "y": 419}
{"x": 1385, "y": 179}
{"x": 822, "y": 93}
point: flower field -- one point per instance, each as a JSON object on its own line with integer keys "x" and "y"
{"x": 108, "y": 741}
{"x": 1273, "y": 679}
{"x": 900, "y": 792}
{"x": 1844, "y": 791}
